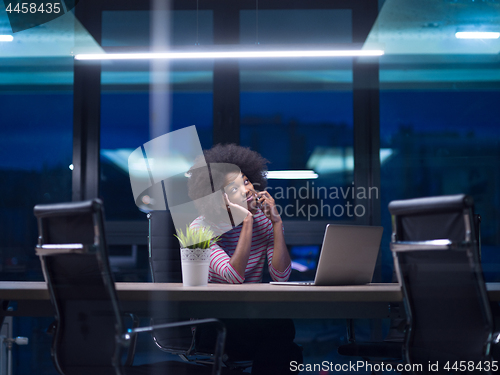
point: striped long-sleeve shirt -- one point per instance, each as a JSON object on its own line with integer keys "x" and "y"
{"x": 262, "y": 247}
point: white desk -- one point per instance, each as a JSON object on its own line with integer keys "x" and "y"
{"x": 234, "y": 301}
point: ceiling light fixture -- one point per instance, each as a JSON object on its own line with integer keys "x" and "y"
{"x": 292, "y": 175}
{"x": 229, "y": 54}
{"x": 477, "y": 35}
{"x": 6, "y": 38}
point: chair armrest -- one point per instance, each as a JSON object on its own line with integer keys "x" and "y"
{"x": 401, "y": 246}
{"x": 219, "y": 343}
{"x": 71, "y": 248}
{"x": 133, "y": 340}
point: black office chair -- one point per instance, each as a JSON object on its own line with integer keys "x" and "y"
{"x": 436, "y": 252}
{"x": 165, "y": 263}
{"x": 391, "y": 349}
{"x": 90, "y": 336}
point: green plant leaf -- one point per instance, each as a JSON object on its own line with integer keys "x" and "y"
{"x": 196, "y": 238}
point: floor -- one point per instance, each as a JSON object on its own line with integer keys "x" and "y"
{"x": 319, "y": 339}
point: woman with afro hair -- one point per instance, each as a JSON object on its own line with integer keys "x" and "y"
{"x": 242, "y": 249}
{"x": 239, "y": 255}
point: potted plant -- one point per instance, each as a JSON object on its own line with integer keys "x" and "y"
{"x": 195, "y": 254}
{"x": 196, "y": 238}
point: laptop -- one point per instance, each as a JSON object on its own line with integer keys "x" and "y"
{"x": 348, "y": 256}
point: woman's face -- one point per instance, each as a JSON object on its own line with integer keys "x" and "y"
{"x": 240, "y": 191}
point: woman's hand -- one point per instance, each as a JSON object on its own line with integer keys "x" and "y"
{"x": 240, "y": 214}
{"x": 268, "y": 206}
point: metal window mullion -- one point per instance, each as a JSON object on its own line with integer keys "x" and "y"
{"x": 87, "y": 111}
{"x": 226, "y": 75}
{"x": 366, "y": 124}
{"x": 366, "y": 116}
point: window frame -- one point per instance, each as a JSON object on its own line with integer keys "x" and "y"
{"x": 226, "y": 103}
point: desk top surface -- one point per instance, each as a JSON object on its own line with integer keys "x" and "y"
{"x": 22, "y": 290}
{"x": 374, "y": 301}
{"x": 25, "y": 290}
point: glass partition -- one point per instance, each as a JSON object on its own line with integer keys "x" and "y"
{"x": 141, "y": 100}
{"x": 438, "y": 112}
{"x": 439, "y": 129}
{"x": 298, "y": 113}
{"x": 36, "y": 106}
{"x": 36, "y": 140}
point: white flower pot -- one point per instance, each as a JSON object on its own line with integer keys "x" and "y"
{"x": 195, "y": 265}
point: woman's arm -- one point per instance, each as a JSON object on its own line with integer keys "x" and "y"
{"x": 221, "y": 266}
{"x": 239, "y": 260}
{"x": 280, "y": 258}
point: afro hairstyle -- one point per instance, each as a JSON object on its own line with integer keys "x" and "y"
{"x": 223, "y": 158}
{"x": 251, "y": 163}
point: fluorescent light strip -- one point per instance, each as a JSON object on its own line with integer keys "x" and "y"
{"x": 6, "y": 38}
{"x": 291, "y": 175}
{"x": 477, "y": 35}
{"x": 66, "y": 246}
{"x": 227, "y": 55}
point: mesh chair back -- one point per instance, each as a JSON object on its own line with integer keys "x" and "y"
{"x": 165, "y": 262}
{"x": 444, "y": 288}
{"x": 448, "y": 313}
{"x": 164, "y": 253}
{"x": 81, "y": 286}
{"x": 423, "y": 219}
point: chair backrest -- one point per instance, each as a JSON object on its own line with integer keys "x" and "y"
{"x": 445, "y": 294}
{"x": 72, "y": 249}
{"x": 164, "y": 250}
{"x": 422, "y": 219}
{"x": 165, "y": 263}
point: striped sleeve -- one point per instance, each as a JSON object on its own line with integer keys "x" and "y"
{"x": 220, "y": 266}
{"x": 275, "y": 274}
